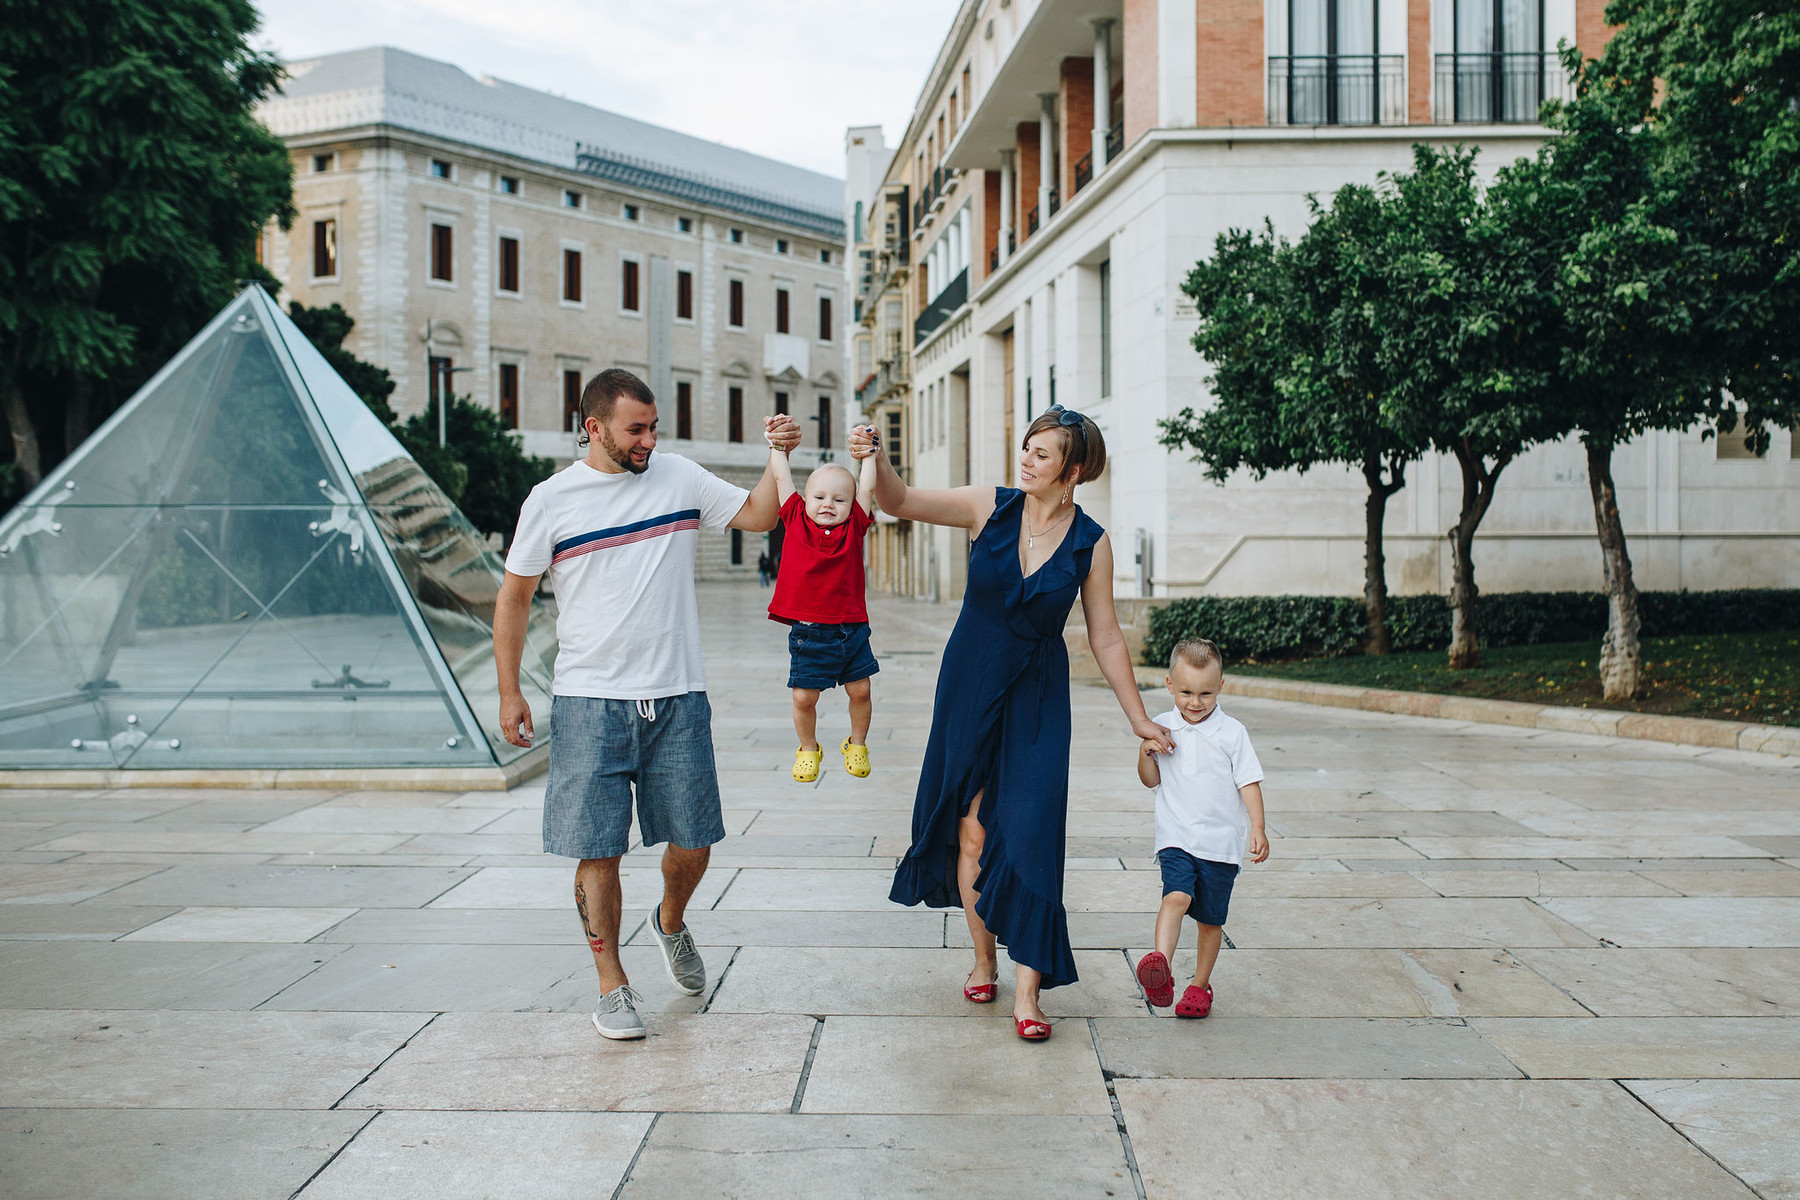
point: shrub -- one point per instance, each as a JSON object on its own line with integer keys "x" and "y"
{"x": 1253, "y": 628}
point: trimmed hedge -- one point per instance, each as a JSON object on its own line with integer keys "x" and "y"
{"x": 1252, "y": 628}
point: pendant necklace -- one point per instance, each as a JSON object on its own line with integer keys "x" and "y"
{"x": 1031, "y": 538}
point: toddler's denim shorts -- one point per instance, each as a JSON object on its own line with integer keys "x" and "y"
{"x": 1208, "y": 882}
{"x": 601, "y": 750}
{"x": 823, "y": 656}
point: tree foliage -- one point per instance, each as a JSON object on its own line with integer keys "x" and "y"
{"x": 133, "y": 183}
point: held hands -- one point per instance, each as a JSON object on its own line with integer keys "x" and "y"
{"x": 1259, "y": 844}
{"x": 864, "y": 441}
{"x": 1150, "y": 748}
{"x": 515, "y": 720}
{"x": 782, "y": 432}
{"x": 1150, "y": 731}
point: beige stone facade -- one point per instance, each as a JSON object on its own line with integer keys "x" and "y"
{"x": 700, "y": 274}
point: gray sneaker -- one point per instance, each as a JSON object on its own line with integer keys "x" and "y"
{"x": 686, "y": 971}
{"x": 616, "y": 1017}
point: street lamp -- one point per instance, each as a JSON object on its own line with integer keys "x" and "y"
{"x": 431, "y": 368}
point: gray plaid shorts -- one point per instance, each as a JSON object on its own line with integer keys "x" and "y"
{"x": 601, "y": 751}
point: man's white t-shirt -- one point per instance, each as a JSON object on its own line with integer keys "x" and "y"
{"x": 619, "y": 549}
{"x": 1197, "y": 804}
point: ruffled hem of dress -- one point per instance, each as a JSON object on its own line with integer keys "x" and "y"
{"x": 911, "y": 887}
{"x": 1034, "y": 929}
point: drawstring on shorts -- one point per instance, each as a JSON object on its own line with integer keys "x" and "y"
{"x": 646, "y": 709}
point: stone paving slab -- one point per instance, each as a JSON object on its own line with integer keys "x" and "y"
{"x": 430, "y": 1155}
{"x": 1686, "y": 921}
{"x": 892, "y": 1157}
{"x": 151, "y": 975}
{"x": 1648, "y": 1047}
{"x": 58, "y": 883}
{"x": 241, "y": 925}
{"x": 1703, "y": 981}
{"x": 1369, "y": 1139}
{"x": 1228, "y": 1045}
{"x": 50, "y": 922}
{"x": 323, "y": 887}
{"x": 1746, "y": 1124}
{"x": 202, "y": 1154}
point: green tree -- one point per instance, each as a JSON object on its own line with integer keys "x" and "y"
{"x": 133, "y": 183}
{"x": 326, "y": 328}
{"x": 1299, "y": 379}
{"x": 1463, "y": 317}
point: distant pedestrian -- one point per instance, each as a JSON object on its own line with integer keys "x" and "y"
{"x": 1209, "y": 810}
{"x": 765, "y": 567}
{"x": 990, "y": 817}
{"x": 819, "y": 596}
{"x": 616, "y": 533}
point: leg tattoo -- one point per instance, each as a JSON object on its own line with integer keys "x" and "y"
{"x": 597, "y": 945}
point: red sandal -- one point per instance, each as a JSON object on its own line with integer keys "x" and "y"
{"x": 1032, "y": 1030}
{"x": 980, "y": 993}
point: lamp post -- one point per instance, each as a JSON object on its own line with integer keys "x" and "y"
{"x": 431, "y": 369}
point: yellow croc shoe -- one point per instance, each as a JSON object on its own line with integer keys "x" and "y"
{"x": 806, "y": 765}
{"x": 856, "y": 759}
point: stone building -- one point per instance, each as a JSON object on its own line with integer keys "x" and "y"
{"x": 516, "y": 243}
{"x": 1067, "y": 163}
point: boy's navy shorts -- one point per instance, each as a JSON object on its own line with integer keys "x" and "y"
{"x": 823, "y": 656}
{"x": 1208, "y": 882}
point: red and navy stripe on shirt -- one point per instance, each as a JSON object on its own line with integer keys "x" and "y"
{"x": 625, "y": 535}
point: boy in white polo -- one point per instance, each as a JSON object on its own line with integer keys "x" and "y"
{"x": 1208, "y": 807}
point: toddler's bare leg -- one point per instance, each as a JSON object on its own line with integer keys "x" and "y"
{"x": 1211, "y": 938}
{"x": 1168, "y": 923}
{"x": 862, "y": 709}
{"x": 971, "y": 837}
{"x": 806, "y": 717}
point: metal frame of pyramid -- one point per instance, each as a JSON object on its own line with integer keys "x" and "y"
{"x": 244, "y": 572}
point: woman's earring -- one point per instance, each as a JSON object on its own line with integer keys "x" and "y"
{"x": 1065, "y": 495}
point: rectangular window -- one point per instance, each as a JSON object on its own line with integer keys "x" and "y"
{"x": 684, "y": 295}
{"x": 735, "y": 315}
{"x": 737, "y": 547}
{"x": 1736, "y": 444}
{"x": 509, "y": 184}
{"x": 1106, "y": 329}
{"x": 571, "y": 198}
{"x": 440, "y": 252}
{"x": 734, "y": 414}
{"x": 684, "y": 410}
{"x": 824, "y": 318}
{"x": 324, "y": 249}
{"x": 685, "y": 224}
{"x": 571, "y": 401}
{"x": 509, "y": 395}
{"x": 781, "y": 403}
{"x": 509, "y": 264}
{"x": 895, "y": 446}
{"x": 440, "y": 169}
{"x": 825, "y": 255}
{"x": 737, "y": 235}
{"x": 438, "y": 369}
{"x": 781, "y": 310}
{"x": 781, "y": 246}
{"x": 628, "y": 292}
{"x": 572, "y": 276}
{"x": 631, "y": 212}
{"x": 322, "y": 162}
{"x": 824, "y": 422}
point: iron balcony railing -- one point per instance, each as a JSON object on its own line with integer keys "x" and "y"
{"x": 1084, "y": 170}
{"x": 1055, "y": 202}
{"x": 1115, "y": 141}
{"x": 1031, "y": 221}
{"x": 954, "y": 295}
{"x": 1337, "y": 89}
{"x": 1486, "y": 89}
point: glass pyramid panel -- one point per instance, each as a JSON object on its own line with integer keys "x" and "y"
{"x": 205, "y": 582}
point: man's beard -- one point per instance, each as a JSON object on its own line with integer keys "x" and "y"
{"x": 622, "y": 457}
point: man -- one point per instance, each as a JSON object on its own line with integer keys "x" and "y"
{"x": 616, "y": 532}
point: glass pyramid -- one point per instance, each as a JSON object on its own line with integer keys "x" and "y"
{"x": 244, "y": 568}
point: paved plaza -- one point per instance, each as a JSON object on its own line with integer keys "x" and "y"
{"x": 1482, "y": 962}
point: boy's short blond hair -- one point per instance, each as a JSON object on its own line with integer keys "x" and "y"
{"x": 1198, "y": 653}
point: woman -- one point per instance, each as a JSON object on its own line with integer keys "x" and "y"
{"x": 988, "y": 821}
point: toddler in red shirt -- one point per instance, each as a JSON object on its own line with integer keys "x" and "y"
{"x": 819, "y": 595}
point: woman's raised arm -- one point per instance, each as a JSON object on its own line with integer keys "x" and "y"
{"x": 963, "y": 507}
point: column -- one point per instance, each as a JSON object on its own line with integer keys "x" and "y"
{"x": 1102, "y": 90}
{"x": 1046, "y": 154}
{"x": 1006, "y": 204}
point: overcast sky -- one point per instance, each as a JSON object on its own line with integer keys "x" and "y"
{"x": 777, "y": 77}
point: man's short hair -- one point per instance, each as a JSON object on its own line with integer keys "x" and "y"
{"x": 605, "y": 390}
{"x": 1198, "y": 653}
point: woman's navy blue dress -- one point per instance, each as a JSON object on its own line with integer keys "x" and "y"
{"x": 1000, "y": 727}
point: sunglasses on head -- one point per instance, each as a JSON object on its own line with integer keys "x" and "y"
{"x": 1074, "y": 422}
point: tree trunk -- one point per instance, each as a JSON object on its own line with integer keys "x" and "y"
{"x": 1379, "y": 641}
{"x": 77, "y": 415}
{"x": 24, "y": 433}
{"x": 1477, "y": 495}
{"x": 1621, "y": 657}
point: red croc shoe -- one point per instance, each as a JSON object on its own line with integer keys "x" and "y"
{"x": 1195, "y": 1002}
{"x": 1032, "y": 1030}
{"x": 1157, "y": 980}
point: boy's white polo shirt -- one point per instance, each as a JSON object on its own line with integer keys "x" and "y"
{"x": 1197, "y": 804}
{"x": 619, "y": 550}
